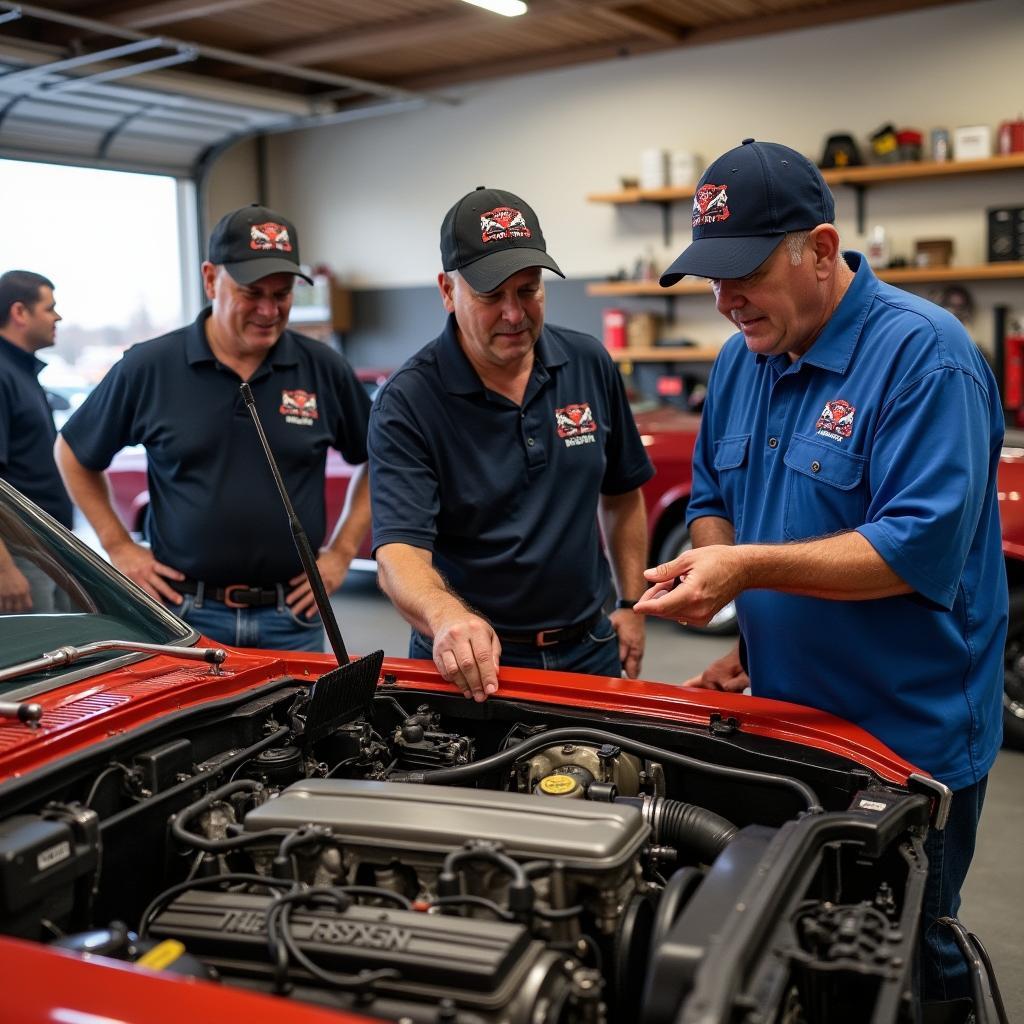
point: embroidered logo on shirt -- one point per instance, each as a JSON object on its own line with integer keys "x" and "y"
{"x": 299, "y": 407}
{"x": 269, "y": 236}
{"x": 576, "y": 424}
{"x": 709, "y": 205}
{"x": 836, "y": 420}
{"x": 502, "y": 223}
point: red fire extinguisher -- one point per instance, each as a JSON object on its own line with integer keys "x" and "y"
{"x": 614, "y": 328}
{"x": 1013, "y": 371}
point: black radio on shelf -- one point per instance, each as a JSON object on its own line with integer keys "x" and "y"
{"x": 1005, "y": 234}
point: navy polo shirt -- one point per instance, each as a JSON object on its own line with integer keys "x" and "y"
{"x": 890, "y": 425}
{"x": 27, "y": 433}
{"x": 214, "y": 512}
{"x": 506, "y": 496}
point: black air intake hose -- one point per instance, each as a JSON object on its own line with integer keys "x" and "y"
{"x": 682, "y": 825}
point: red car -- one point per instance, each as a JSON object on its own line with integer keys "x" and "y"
{"x": 194, "y": 833}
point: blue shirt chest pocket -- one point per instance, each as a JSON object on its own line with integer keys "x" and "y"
{"x": 826, "y": 489}
{"x": 730, "y": 458}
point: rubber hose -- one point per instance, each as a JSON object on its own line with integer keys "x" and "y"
{"x": 680, "y": 824}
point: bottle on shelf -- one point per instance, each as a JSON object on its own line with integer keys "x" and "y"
{"x": 878, "y": 248}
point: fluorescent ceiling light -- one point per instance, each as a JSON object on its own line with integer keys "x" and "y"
{"x": 510, "y": 8}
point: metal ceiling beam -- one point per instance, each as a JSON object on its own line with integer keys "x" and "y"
{"x": 219, "y": 54}
{"x": 54, "y": 67}
{"x": 167, "y": 12}
{"x": 183, "y": 56}
{"x": 399, "y": 35}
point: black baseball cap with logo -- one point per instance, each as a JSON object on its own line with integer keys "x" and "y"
{"x": 254, "y": 242}
{"x": 745, "y": 204}
{"x": 489, "y": 235}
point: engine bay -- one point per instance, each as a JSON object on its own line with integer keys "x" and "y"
{"x": 427, "y": 859}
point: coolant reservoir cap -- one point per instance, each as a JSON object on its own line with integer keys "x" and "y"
{"x": 558, "y": 785}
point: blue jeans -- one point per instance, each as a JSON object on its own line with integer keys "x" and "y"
{"x": 943, "y": 969}
{"x": 272, "y": 626}
{"x": 597, "y": 653}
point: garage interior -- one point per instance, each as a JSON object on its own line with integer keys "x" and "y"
{"x": 362, "y": 122}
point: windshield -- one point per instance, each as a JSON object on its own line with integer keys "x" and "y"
{"x": 55, "y": 592}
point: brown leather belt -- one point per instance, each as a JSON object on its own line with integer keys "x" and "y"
{"x": 551, "y": 637}
{"x": 234, "y": 595}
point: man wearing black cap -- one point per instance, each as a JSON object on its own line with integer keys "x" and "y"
{"x": 493, "y": 453}
{"x": 221, "y": 552}
{"x": 844, "y": 495}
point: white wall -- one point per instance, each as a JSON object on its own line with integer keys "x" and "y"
{"x": 369, "y": 197}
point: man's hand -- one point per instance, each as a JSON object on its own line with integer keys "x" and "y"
{"x": 139, "y": 565}
{"x": 15, "y": 593}
{"x": 630, "y": 629}
{"x": 724, "y": 674}
{"x": 333, "y": 569}
{"x": 694, "y": 586}
{"x": 466, "y": 653}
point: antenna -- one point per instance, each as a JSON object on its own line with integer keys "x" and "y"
{"x": 346, "y": 692}
{"x": 306, "y": 555}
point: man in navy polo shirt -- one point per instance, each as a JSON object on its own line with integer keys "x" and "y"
{"x": 222, "y": 554}
{"x": 28, "y": 324}
{"x": 493, "y": 453}
{"x": 845, "y": 496}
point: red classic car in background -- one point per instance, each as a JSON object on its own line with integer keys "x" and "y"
{"x": 193, "y": 833}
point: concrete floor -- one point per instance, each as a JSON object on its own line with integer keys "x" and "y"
{"x": 993, "y": 899}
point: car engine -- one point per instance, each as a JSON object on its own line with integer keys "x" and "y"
{"x": 431, "y": 860}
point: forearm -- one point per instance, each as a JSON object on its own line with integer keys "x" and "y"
{"x": 354, "y": 520}
{"x": 416, "y": 588}
{"x": 624, "y": 526}
{"x": 711, "y": 530}
{"x": 844, "y": 567}
{"x": 90, "y": 491}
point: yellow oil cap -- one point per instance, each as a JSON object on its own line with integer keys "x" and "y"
{"x": 558, "y": 785}
{"x": 162, "y": 955}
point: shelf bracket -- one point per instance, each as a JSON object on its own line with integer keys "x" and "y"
{"x": 861, "y": 200}
{"x": 666, "y": 223}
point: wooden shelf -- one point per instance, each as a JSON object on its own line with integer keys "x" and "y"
{"x": 627, "y": 288}
{"x": 1009, "y": 271}
{"x": 927, "y": 275}
{"x": 871, "y": 174}
{"x": 664, "y": 354}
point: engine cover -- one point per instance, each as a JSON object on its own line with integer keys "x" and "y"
{"x": 592, "y": 838}
{"x": 490, "y": 968}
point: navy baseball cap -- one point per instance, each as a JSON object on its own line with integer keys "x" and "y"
{"x": 745, "y": 204}
{"x": 489, "y": 235}
{"x": 254, "y": 242}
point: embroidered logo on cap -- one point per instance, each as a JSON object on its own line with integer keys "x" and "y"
{"x": 299, "y": 407}
{"x": 502, "y": 223}
{"x": 836, "y": 420}
{"x": 709, "y": 205}
{"x": 269, "y": 236}
{"x": 576, "y": 424}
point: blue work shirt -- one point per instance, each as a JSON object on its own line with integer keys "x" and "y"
{"x": 506, "y": 496}
{"x": 214, "y": 512}
{"x": 891, "y": 425}
{"x": 27, "y": 433}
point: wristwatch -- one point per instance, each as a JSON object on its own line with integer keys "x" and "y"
{"x": 624, "y": 602}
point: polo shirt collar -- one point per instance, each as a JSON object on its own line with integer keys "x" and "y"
{"x": 459, "y": 377}
{"x": 833, "y": 350}
{"x": 197, "y": 348}
{"x": 26, "y": 360}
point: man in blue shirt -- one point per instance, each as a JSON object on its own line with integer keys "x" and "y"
{"x": 845, "y": 496}
{"x": 28, "y": 324}
{"x": 493, "y": 453}
{"x": 222, "y": 554}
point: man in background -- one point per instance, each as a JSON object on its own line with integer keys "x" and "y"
{"x": 28, "y": 324}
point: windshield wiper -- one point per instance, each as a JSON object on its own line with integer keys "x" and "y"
{"x": 68, "y": 655}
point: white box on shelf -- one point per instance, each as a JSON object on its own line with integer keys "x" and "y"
{"x": 653, "y": 168}
{"x": 972, "y": 142}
